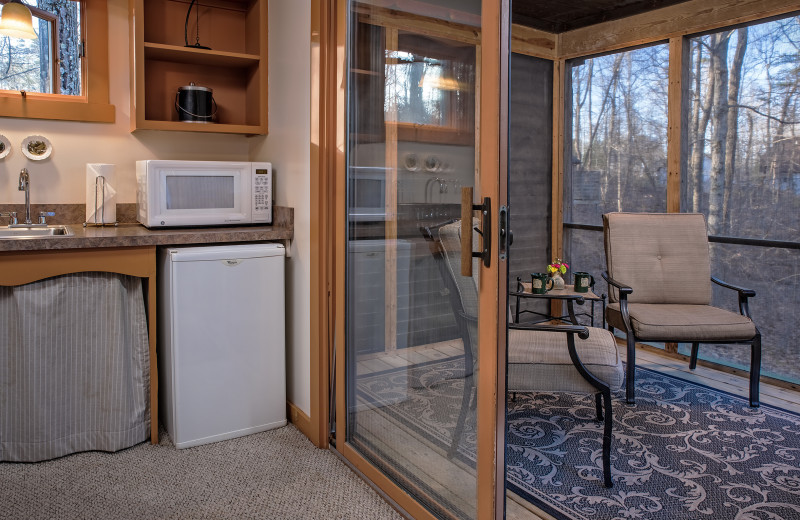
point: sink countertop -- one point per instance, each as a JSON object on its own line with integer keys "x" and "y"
{"x": 136, "y": 235}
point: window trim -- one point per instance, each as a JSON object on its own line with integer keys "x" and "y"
{"x": 93, "y": 105}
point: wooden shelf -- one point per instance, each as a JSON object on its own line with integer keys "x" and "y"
{"x": 235, "y": 67}
{"x": 179, "y": 126}
{"x": 175, "y": 54}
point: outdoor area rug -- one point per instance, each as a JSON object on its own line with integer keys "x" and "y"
{"x": 683, "y": 451}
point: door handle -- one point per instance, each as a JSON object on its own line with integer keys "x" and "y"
{"x": 467, "y": 207}
{"x": 505, "y": 234}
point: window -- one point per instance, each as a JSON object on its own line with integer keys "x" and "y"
{"x": 67, "y": 85}
{"x": 743, "y": 172}
{"x": 428, "y": 82}
{"x": 616, "y": 149}
{"x": 51, "y": 63}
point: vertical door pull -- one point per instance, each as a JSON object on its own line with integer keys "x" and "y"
{"x": 485, "y": 209}
{"x": 505, "y": 233}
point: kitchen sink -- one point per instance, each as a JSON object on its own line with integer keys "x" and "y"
{"x": 20, "y": 233}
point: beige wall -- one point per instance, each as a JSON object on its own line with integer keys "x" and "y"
{"x": 61, "y": 178}
{"x": 288, "y": 148}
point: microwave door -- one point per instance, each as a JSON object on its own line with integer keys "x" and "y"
{"x": 367, "y": 194}
{"x": 203, "y": 197}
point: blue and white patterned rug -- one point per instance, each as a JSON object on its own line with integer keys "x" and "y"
{"x": 683, "y": 451}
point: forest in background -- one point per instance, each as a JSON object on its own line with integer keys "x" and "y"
{"x": 741, "y": 163}
{"x": 27, "y": 64}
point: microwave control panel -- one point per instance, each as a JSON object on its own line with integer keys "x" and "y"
{"x": 262, "y": 193}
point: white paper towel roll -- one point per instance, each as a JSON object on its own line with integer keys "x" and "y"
{"x": 104, "y": 199}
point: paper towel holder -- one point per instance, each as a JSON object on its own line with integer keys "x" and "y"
{"x": 100, "y": 185}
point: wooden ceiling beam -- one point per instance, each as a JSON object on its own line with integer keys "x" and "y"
{"x": 690, "y": 17}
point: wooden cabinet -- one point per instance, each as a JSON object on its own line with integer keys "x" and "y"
{"x": 235, "y": 67}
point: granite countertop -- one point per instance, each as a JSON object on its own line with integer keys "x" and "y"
{"x": 136, "y": 235}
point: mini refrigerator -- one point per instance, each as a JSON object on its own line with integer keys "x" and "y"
{"x": 221, "y": 341}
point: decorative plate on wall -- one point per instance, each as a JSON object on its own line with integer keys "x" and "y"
{"x": 36, "y": 147}
{"x": 5, "y": 147}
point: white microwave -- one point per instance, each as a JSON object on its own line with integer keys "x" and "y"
{"x": 203, "y": 193}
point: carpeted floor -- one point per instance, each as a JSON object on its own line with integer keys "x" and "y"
{"x": 276, "y": 474}
{"x": 683, "y": 451}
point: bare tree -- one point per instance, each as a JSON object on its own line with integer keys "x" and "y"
{"x": 732, "y": 139}
{"x": 702, "y": 114}
{"x": 719, "y": 124}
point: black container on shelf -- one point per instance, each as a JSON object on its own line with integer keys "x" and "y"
{"x": 195, "y": 104}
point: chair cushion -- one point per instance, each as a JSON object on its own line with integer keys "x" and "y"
{"x": 662, "y": 256}
{"x": 539, "y": 361}
{"x": 682, "y": 323}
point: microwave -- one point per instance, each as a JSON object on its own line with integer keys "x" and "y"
{"x": 203, "y": 193}
{"x": 366, "y": 192}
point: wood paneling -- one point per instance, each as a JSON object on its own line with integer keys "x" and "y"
{"x": 659, "y": 25}
{"x": 677, "y": 120}
{"x": 323, "y": 201}
{"x": 390, "y": 229}
{"x": 493, "y": 74}
{"x": 300, "y": 420}
{"x": 235, "y": 67}
{"x": 557, "y": 16}
{"x": 533, "y": 42}
{"x": 420, "y": 24}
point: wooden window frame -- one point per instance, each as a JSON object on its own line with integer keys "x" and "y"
{"x": 674, "y": 24}
{"x": 93, "y": 104}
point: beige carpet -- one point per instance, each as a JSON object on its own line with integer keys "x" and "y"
{"x": 276, "y": 474}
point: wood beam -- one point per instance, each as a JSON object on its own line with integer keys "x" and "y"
{"x": 533, "y": 42}
{"x": 677, "y": 120}
{"x": 682, "y": 19}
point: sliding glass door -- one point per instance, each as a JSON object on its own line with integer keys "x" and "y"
{"x": 417, "y": 405}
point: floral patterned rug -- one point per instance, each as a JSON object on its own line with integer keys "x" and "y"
{"x": 683, "y": 451}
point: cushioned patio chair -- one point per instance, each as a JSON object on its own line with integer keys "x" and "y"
{"x": 659, "y": 277}
{"x": 541, "y": 358}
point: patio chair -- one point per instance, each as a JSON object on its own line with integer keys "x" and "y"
{"x": 659, "y": 277}
{"x": 541, "y": 358}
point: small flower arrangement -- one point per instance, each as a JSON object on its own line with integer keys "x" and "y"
{"x": 558, "y": 266}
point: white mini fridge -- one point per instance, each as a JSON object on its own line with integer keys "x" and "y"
{"x": 221, "y": 341}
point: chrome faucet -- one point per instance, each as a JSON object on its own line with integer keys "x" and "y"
{"x": 25, "y": 185}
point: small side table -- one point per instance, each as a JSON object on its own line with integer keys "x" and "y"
{"x": 567, "y": 294}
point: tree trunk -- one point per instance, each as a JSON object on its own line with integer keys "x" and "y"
{"x": 698, "y": 138}
{"x": 630, "y": 119}
{"x": 613, "y": 143}
{"x": 719, "y": 124}
{"x": 611, "y": 83}
{"x": 66, "y": 49}
{"x": 687, "y": 187}
{"x": 734, "y": 82}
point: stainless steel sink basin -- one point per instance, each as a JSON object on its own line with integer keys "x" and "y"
{"x": 26, "y": 232}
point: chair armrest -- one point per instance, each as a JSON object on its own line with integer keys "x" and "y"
{"x": 570, "y": 331}
{"x": 744, "y": 294}
{"x": 623, "y": 289}
{"x": 747, "y": 293}
{"x": 581, "y": 331}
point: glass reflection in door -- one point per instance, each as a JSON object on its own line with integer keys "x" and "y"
{"x": 411, "y": 147}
